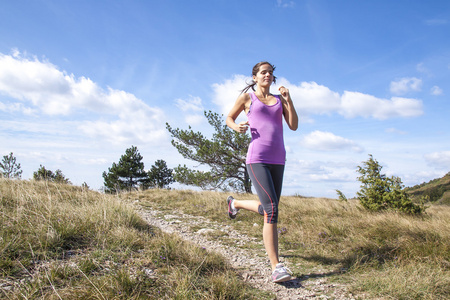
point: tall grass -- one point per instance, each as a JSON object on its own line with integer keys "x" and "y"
{"x": 386, "y": 254}
{"x": 66, "y": 242}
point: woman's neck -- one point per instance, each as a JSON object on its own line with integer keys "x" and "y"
{"x": 263, "y": 91}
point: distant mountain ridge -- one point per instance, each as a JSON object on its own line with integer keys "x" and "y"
{"x": 438, "y": 190}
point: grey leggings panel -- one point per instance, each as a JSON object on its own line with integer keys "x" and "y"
{"x": 267, "y": 180}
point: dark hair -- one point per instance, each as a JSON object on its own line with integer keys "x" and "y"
{"x": 254, "y": 72}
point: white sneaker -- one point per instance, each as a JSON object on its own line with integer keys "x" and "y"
{"x": 281, "y": 273}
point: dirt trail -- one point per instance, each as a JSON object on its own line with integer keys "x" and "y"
{"x": 252, "y": 264}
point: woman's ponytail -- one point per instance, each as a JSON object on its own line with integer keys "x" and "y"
{"x": 249, "y": 85}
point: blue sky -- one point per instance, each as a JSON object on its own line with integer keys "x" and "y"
{"x": 82, "y": 81}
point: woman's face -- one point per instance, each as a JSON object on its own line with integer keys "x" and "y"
{"x": 264, "y": 77}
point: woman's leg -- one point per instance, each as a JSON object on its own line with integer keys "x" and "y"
{"x": 267, "y": 180}
{"x": 270, "y": 233}
{"x": 270, "y": 238}
{"x": 251, "y": 205}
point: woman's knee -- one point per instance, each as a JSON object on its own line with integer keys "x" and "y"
{"x": 261, "y": 210}
{"x": 271, "y": 216}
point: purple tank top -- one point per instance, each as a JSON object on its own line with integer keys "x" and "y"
{"x": 266, "y": 127}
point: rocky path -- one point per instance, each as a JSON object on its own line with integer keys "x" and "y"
{"x": 251, "y": 261}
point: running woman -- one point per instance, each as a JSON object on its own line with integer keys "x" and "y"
{"x": 266, "y": 154}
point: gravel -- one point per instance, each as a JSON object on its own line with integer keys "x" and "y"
{"x": 251, "y": 262}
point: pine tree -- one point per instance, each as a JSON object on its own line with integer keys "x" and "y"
{"x": 10, "y": 168}
{"x": 160, "y": 175}
{"x": 225, "y": 154}
{"x": 128, "y": 174}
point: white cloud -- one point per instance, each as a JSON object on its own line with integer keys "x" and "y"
{"x": 54, "y": 92}
{"x": 39, "y": 82}
{"x": 323, "y": 170}
{"x": 395, "y": 131}
{"x": 285, "y": 4}
{"x": 16, "y": 107}
{"x": 93, "y": 161}
{"x": 405, "y": 85}
{"x": 436, "y": 91}
{"x": 356, "y": 104}
{"x": 327, "y": 141}
{"x": 423, "y": 69}
{"x": 439, "y": 160}
{"x": 311, "y": 98}
{"x": 15, "y": 53}
{"x": 225, "y": 94}
{"x": 412, "y": 179}
{"x": 194, "y": 119}
{"x": 144, "y": 125}
{"x": 193, "y": 103}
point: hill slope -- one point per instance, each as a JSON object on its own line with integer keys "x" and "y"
{"x": 66, "y": 242}
{"x": 438, "y": 190}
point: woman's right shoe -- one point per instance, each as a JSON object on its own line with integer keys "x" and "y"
{"x": 281, "y": 274}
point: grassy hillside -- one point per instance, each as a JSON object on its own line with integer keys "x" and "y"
{"x": 385, "y": 254}
{"x": 438, "y": 190}
{"x": 64, "y": 242}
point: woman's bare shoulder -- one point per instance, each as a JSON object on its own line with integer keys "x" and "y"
{"x": 244, "y": 97}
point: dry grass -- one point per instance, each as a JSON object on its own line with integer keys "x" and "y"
{"x": 385, "y": 254}
{"x": 65, "y": 242}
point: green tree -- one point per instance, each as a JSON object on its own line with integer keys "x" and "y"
{"x": 111, "y": 180}
{"x": 128, "y": 174}
{"x": 43, "y": 174}
{"x": 379, "y": 192}
{"x": 10, "y": 168}
{"x": 225, "y": 155}
{"x": 160, "y": 175}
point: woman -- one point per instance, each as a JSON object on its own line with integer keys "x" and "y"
{"x": 266, "y": 154}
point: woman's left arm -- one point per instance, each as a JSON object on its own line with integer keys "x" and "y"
{"x": 290, "y": 115}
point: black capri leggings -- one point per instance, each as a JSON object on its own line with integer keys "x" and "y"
{"x": 267, "y": 180}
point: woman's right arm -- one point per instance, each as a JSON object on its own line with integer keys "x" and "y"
{"x": 238, "y": 107}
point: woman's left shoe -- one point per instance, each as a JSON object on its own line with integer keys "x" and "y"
{"x": 232, "y": 212}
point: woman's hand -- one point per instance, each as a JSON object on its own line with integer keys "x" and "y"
{"x": 284, "y": 92}
{"x": 243, "y": 126}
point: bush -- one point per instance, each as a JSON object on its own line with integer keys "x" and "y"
{"x": 379, "y": 192}
{"x": 43, "y": 174}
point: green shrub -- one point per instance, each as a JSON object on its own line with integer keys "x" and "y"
{"x": 379, "y": 192}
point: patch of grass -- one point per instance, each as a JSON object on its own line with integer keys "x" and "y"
{"x": 62, "y": 241}
{"x": 342, "y": 241}
{"x": 66, "y": 242}
{"x": 406, "y": 281}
